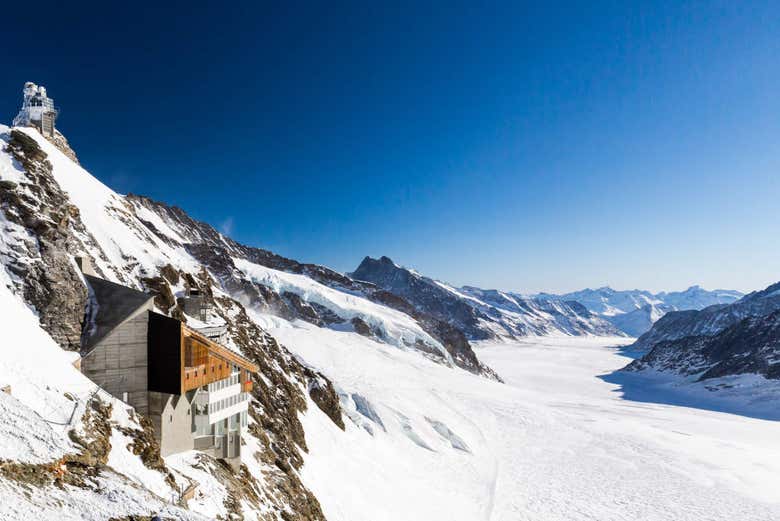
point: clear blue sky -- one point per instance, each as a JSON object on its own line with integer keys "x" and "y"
{"x": 527, "y": 147}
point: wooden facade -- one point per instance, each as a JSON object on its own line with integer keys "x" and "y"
{"x": 181, "y": 359}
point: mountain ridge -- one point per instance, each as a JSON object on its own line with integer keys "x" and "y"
{"x": 482, "y": 314}
{"x": 635, "y": 311}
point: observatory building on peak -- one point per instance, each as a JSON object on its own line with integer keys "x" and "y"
{"x": 37, "y": 110}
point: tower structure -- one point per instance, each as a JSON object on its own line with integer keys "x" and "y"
{"x": 37, "y": 110}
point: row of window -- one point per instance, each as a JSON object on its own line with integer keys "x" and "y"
{"x": 226, "y": 402}
{"x": 38, "y": 102}
{"x": 211, "y": 408}
{"x": 236, "y": 420}
{"x": 225, "y": 382}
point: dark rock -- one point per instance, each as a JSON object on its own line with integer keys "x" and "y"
{"x": 752, "y": 345}
{"x": 361, "y": 328}
{"x": 163, "y": 296}
{"x": 324, "y": 395}
{"x": 711, "y": 320}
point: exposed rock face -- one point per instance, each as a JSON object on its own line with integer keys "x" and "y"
{"x": 324, "y": 395}
{"x": 710, "y": 320}
{"x": 482, "y": 314}
{"x": 59, "y": 141}
{"x": 147, "y": 447}
{"x": 46, "y": 219}
{"x": 752, "y": 345}
{"x": 163, "y": 296}
{"x": 423, "y": 293}
{"x": 717, "y": 341}
{"x": 77, "y": 469}
{"x": 361, "y": 328}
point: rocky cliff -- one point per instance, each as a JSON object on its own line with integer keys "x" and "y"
{"x": 751, "y": 345}
{"x": 710, "y": 320}
{"x": 717, "y": 341}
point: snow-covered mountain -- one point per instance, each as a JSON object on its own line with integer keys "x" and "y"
{"x": 735, "y": 347}
{"x": 366, "y": 406}
{"x": 749, "y": 346}
{"x": 55, "y": 211}
{"x": 635, "y": 311}
{"x": 711, "y": 320}
{"x": 483, "y": 314}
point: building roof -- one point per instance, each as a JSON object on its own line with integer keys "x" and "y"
{"x": 115, "y": 305}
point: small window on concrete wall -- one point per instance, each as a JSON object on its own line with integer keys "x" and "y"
{"x": 171, "y": 420}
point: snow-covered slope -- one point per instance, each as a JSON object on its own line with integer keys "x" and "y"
{"x": 483, "y": 314}
{"x": 54, "y": 211}
{"x": 52, "y": 421}
{"x": 398, "y": 328}
{"x": 364, "y": 417}
{"x": 553, "y": 443}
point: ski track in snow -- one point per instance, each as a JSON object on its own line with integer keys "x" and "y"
{"x": 553, "y": 443}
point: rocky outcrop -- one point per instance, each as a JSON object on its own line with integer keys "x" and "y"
{"x": 324, "y": 395}
{"x": 59, "y": 141}
{"x": 78, "y": 469}
{"x": 752, "y": 345}
{"x": 42, "y": 262}
{"x": 711, "y": 320}
{"x": 424, "y": 294}
{"x": 146, "y": 446}
{"x": 163, "y": 296}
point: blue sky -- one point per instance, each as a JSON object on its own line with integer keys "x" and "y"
{"x": 524, "y": 147}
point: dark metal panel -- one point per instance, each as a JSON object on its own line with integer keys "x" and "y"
{"x": 164, "y": 350}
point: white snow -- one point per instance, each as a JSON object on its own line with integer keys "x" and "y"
{"x": 397, "y": 327}
{"x": 422, "y": 440}
{"x": 34, "y": 418}
{"x": 554, "y": 443}
{"x": 108, "y": 218}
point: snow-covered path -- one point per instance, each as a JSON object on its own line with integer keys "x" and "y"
{"x": 554, "y": 443}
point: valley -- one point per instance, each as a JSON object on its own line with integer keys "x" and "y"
{"x": 554, "y": 442}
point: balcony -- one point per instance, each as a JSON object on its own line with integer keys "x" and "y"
{"x": 210, "y": 409}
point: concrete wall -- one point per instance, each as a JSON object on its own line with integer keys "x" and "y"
{"x": 119, "y": 362}
{"x": 171, "y": 417}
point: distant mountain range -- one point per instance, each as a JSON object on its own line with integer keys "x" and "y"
{"x": 719, "y": 340}
{"x": 635, "y": 311}
{"x": 483, "y": 314}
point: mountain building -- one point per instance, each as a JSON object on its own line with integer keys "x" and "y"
{"x": 37, "y": 110}
{"x": 194, "y": 390}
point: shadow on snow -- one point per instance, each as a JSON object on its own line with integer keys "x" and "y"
{"x": 664, "y": 389}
